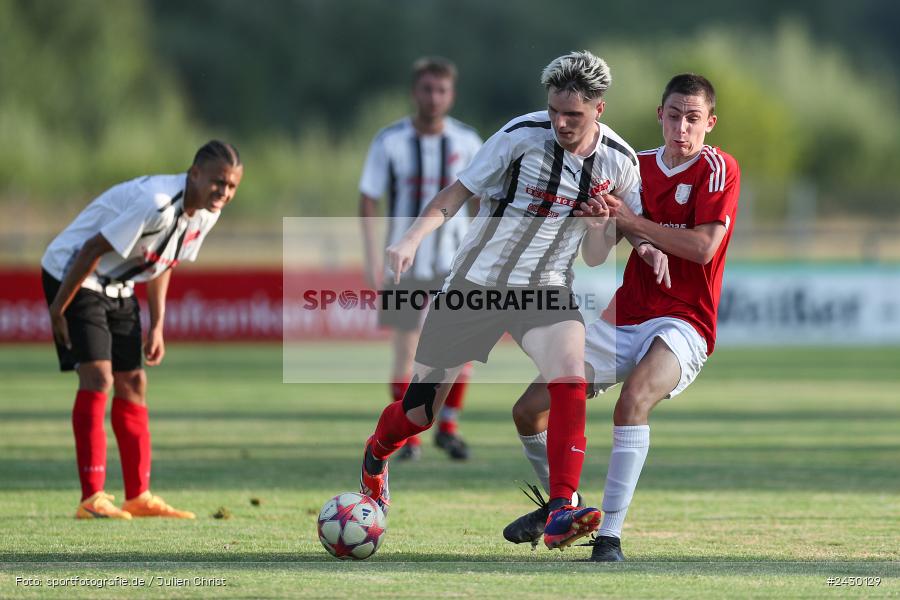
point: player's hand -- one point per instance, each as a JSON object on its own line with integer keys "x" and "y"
{"x": 620, "y": 211}
{"x": 154, "y": 347}
{"x": 60, "y": 328}
{"x": 595, "y": 212}
{"x": 657, "y": 259}
{"x": 400, "y": 257}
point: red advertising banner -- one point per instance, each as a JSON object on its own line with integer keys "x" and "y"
{"x": 217, "y": 305}
{"x": 329, "y": 305}
{"x": 23, "y": 310}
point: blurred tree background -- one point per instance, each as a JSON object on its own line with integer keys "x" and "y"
{"x": 94, "y": 92}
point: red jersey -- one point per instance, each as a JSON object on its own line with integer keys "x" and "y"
{"x": 703, "y": 190}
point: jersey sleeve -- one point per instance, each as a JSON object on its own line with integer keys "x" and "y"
{"x": 487, "y": 169}
{"x": 126, "y": 229}
{"x": 374, "y": 180}
{"x": 717, "y": 197}
{"x": 629, "y": 188}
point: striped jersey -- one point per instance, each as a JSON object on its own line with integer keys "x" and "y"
{"x": 410, "y": 169}
{"x": 525, "y": 233}
{"x": 703, "y": 190}
{"x": 144, "y": 221}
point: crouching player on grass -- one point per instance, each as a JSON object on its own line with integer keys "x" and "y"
{"x": 653, "y": 337}
{"x": 532, "y": 176}
{"x": 135, "y": 232}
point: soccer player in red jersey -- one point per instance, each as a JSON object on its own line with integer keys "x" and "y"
{"x": 656, "y": 334}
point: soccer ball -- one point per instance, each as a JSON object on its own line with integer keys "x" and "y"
{"x": 351, "y": 526}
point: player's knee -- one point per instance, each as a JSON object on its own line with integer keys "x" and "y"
{"x": 523, "y": 416}
{"x": 131, "y": 386}
{"x": 96, "y": 378}
{"x": 530, "y": 410}
{"x": 568, "y": 365}
{"x": 632, "y": 408}
{"x": 422, "y": 393}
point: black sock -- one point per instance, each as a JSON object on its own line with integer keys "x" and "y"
{"x": 372, "y": 464}
{"x": 556, "y": 503}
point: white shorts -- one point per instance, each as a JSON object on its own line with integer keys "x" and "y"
{"x": 613, "y": 351}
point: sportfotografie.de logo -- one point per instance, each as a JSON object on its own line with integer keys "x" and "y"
{"x": 509, "y": 299}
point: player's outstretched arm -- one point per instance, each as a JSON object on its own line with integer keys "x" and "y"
{"x": 445, "y": 204}
{"x": 657, "y": 259}
{"x": 154, "y": 347}
{"x": 84, "y": 264}
{"x": 602, "y": 236}
{"x": 698, "y": 245}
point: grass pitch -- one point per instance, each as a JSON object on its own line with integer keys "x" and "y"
{"x": 777, "y": 470}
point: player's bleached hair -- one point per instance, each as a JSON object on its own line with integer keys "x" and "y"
{"x": 580, "y": 73}
{"x": 214, "y": 150}
{"x": 691, "y": 84}
{"x": 433, "y": 65}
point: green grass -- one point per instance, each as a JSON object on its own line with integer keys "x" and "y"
{"x": 776, "y": 470}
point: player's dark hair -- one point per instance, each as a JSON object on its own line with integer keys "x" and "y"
{"x": 433, "y": 65}
{"x": 214, "y": 150}
{"x": 691, "y": 84}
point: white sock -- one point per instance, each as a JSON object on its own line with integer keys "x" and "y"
{"x": 629, "y": 451}
{"x": 448, "y": 414}
{"x": 535, "y": 447}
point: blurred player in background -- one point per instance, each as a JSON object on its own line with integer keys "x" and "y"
{"x": 410, "y": 161}
{"x": 134, "y": 232}
{"x": 532, "y": 176}
{"x": 653, "y": 337}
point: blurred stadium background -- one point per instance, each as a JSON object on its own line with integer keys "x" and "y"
{"x": 96, "y": 93}
{"x": 93, "y": 93}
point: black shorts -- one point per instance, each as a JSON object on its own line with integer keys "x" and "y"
{"x": 100, "y": 328}
{"x": 402, "y": 306}
{"x": 465, "y": 322}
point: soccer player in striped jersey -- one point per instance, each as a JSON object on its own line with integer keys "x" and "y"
{"x": 655, "y": 336}
{"x": 535, "y": 178}
{"x": 409, "y": 162}
{"x": 134, "y": 232}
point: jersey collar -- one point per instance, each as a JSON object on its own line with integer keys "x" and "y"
{"x": 676, "y": 170}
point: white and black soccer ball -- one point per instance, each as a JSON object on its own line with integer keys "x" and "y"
{"x": 351, "y": 526}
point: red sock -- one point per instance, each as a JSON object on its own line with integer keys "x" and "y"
{"x": 454, "y": 402}
{"x": 90, "y": 440}
{"x": 131, "y": 426}
{"x": 393, "y": 430}
{"x": 398, "y": 390}
{"x": 447, "y": 425}
{"x": 565, "y": 435}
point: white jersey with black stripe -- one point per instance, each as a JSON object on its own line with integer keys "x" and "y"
{"x": 410, "y": 169}
{"x": 525, "y": 233}
{"x": 144, "y": 221}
